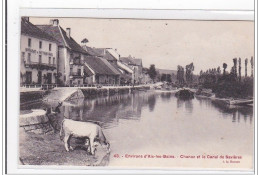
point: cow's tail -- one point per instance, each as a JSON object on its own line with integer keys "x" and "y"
{"x": 61, "y": 129}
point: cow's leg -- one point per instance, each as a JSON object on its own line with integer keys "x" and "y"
{"x": 87, "y": 143}
{"x": 70, "y": 147}
{"x": 92, "y": 145}
{"x": 66, "y": 141}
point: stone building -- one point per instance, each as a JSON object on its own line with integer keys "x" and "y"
{"x": 136, "y": 65}
{"x": 38, "y": 55}
{"x": 100, "y": 71}
{"x": 70, "y": 54}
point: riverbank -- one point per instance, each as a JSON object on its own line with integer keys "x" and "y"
{"x": 31, "y": 95}
{"x": 48, "y": 149}
{"x": 228, "y": 101}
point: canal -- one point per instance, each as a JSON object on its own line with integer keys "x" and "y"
{"x": 150, "y": 129}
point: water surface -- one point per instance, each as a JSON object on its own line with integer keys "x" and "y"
{"x": 146, "y": 124}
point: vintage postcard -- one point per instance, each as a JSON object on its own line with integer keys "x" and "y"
{"x": 136, "y": 93}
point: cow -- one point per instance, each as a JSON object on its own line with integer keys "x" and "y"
{"x": 86, "y": 130}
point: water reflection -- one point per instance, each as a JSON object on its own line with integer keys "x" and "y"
{"x": 108, "y": 111}
{"x": 166, "y": 97}
{"x": 228, "y": 110}
{"x": 152, "y": 102}
{"x": 137, "y": 113}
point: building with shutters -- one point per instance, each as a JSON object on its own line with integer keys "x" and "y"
{"x": 70, "y": 54}
{"x": 38, "y": 55}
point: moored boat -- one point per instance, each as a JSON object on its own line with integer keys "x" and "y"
{"x": 240, "y": 102}
{"x": 184, "y": 94}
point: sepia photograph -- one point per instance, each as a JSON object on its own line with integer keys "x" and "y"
{"x": 136, "y": 93}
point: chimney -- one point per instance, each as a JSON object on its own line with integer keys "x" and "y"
{"x": 68, "y": 32}
{"x": 26, "y": 18}
{"x": 54, "y": 22}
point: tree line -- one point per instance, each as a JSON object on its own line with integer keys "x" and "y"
{"x": 229, "y": 84}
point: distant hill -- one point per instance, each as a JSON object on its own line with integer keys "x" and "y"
{"x": 167, "y": 71}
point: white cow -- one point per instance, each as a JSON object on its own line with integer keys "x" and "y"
{"x": 88, "y": 130}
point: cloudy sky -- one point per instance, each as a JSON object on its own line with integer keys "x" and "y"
{"x": 167, "y": 43}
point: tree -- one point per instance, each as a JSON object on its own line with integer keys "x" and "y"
{"x": 224, "y": 67}
{"x": 168, "y": 78}
{"x": 218, "y": 70}
{"x": 246, "y": 61}
{"x": 239, "y": 69}
{"x": 235, "y": 67}
{"x": 180, "y": 74}
{"x": 189, "y": 69}
{"x": 152, "y": 72}
{"x": 163, "y": 77}
{"x": 252, "y": 66}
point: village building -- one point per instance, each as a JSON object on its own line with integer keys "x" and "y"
{"x": 110, "y": 58}
{"x": 136, "y": 65}
{"x": 106, "y": 53}
{"x": 126, "y": 73}
{"x": 70, "y": 55}
{"x": 38, "y": 55}
{"x": 99, "y": 71}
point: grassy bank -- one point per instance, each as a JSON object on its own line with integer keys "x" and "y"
{"x": 40, "y": 149}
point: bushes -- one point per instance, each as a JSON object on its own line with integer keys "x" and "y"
{"x": 228, "y": 87}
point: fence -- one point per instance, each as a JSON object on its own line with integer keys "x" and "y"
{"x": 42, "y": 86}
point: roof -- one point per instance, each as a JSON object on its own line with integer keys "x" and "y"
{"x": 58, "y": 33}
{"x": 27, "y": 28}
{"x": 114, "y": 53}
{"x": 131, "y": 61}
{"x": 100, "y": 52}
{"x": 112, "y": 66}
{"x": 124, "y": 66}
{"x": 88, "y": 71}
{"x": 100, "y": 66}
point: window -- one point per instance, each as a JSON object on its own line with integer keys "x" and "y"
{"x": 54, "y": 60}
{"x": 29, "y": 42}
{"x": 29, "y": 57}
{"x": 40, "y": 59}
{"x": 49, "y": 60}
{"x": 71, "y": 58}
{"x": 71, "y": 71}
{"x": 79, "y": 72}
{"x": 40, "y": 44}
{"x": 49, "y": 47}
{"x": 28, "y": 79}
{"x": 23, "y": 56}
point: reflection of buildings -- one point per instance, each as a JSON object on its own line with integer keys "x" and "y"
{"x": 109, "y": 110}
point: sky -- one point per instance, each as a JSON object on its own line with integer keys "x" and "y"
{"x": 167, "y": 43}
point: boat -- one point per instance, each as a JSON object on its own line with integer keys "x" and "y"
{"x": 240, "y": 102}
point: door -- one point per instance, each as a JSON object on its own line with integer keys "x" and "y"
{"x": 28, "y": 77}
{"x": 39, "y": 77}
{"x": 49, "y": 78}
